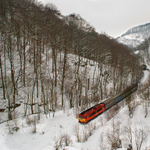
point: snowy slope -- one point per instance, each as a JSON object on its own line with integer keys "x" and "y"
{"x": 135, "y": 36}
{"x": 45, "y": 134}
{"x": 48, "y": 129}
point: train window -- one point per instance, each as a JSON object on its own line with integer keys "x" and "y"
{"x": 99, "y": 109}
{"x": 119, "y": 98}
{"x": 82, "y": 117}
{"x": 92, "y": 114}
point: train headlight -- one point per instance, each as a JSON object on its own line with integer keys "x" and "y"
{"x": 81, "y": 120}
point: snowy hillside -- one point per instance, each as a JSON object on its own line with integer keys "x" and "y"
{"x": 49, "y": 130}
{"x": 135, "y": 36}
{"x": 63, "y": 132}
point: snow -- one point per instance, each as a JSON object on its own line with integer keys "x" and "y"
{"x": 136, "y": 52}
{"x": 52, "y": 127}
{"x": 146, "y": 77}
{"x": 135, "y": 36}
{"x": 49, "y": 129}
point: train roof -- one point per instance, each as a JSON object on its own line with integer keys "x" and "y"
{"x": 122, "y": 92}
{"x": 88, "y": 110}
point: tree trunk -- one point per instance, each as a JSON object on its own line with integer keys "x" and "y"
{"x": 63, "y": 77}
{"x": 3, "y": 85}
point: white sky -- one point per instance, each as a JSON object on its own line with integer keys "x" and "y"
{"x": 114, "y": 17}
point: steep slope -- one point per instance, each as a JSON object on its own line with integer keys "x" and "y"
{"x": 135, "y": 36}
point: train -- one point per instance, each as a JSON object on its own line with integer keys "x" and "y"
{"x": 89, "y": 114}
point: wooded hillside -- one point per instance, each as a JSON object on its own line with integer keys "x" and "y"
{"x": 35, "y": 41}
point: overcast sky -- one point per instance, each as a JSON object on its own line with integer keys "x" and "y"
{"x": 114, "y": 17}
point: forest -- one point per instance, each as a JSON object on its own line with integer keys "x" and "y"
{"x": 36, "y": 42}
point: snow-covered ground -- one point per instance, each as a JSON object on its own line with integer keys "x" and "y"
{"x": 49, "y": 129}
{"x": 46, "y": 133}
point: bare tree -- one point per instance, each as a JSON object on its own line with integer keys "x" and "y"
{"x": 76, "y": 131}
{"x": 62, "y": 141}
{"x": 144, "y": 93}
{"x": 141, "y": 133}
{"x": 136, "y": 135}
{"x": 113, "y": 135}
{"x": 132, "y": 104}
{"x": 127, "y": 134}
{"x": 2, "y": 78}
{"x": 101, "y": 143}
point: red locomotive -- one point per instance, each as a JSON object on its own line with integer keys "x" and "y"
{"x": 91, "y": 113}
{"x": 97, "y": 109}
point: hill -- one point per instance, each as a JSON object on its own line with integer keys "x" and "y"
{"x": 135, "y": 36}
{"x": 61, "y": 130}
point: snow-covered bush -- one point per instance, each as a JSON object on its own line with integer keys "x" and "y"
{"x": 82, "y": 133}
{"x": 62, "y": 141}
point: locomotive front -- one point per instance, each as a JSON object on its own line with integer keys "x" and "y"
{"x": 81, "y": 118}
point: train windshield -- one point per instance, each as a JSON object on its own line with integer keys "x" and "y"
{"x": 81, "y": 117}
